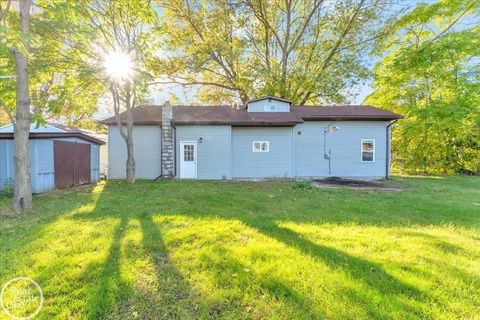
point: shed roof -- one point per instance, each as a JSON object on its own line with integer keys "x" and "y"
{"x": 225, "y": 115}
{"x": 55, "y": 130}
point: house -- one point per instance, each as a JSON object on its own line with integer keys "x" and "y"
{"x": 268, "y": 138}
{"x": 59, "y": 157}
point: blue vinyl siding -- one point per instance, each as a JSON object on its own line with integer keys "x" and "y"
{"x": 227, "y": 151}
{"x": 42, "y": 165}
{"x": 95, "y": 162}
{"x": 213, "y": 153}
{"x": 309, "y": 160}
{"x": 7, "y": 171}
{"x": 277, "y": 163}
{"x": 345, "y": 146}
{"x": 147, "y": 150}
{"x": 259, "y": 106}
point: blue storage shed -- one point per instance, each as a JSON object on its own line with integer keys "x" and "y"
{"x": 59, "y": 156}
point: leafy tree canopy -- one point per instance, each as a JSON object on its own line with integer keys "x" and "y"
{"x": 58, "y": 89}
{"x": 308, "y": 51}
{"x": 431, "y": 74}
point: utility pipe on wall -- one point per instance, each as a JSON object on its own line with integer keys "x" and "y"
{"x": 387, "y": 159}
{"x": 328, "y": 155}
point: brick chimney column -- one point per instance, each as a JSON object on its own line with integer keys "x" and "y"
{"x": 168, "y": 156}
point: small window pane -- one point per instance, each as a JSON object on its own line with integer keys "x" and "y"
{"x": 261, "y": 146}
{"x": 368, "y": 150}
{"x": 270, "y": 108}
{"x": 188, "y": 152}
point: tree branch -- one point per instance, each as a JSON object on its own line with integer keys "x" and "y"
{"x": 193, "y": 83}
{"x": 9, "y": 113}
{"x": 4, "y": 13}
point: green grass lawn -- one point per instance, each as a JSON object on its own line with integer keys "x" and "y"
{"x": 250, "y": 250}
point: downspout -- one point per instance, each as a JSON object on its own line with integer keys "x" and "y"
{"x": 387, "y": 162}
{"x": 294, "y": 174}
{"x": 329, "y": 155}
{"x": 174, "y": 135}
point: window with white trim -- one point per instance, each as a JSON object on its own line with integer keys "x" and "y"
{"x": 261, "y": 146}
{"x": 368, "y": 150}
{"x": 270, "y": 108}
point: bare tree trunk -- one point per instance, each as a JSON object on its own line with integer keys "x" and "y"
{"x": 127, "y": 136}
{"x": 130, "y": 156}
{"x": 23, "y": 190}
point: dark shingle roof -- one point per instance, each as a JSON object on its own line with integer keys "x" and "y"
{"x": 218, "y": 115}
{"x": 347, "y": 112}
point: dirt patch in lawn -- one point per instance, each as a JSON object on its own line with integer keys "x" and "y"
{"x": 358, "y": 184}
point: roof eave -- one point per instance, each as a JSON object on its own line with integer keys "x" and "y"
{"x": 237, "y": 123}
{"x": 352, "y": 118}
{"x": 137, "y": 123}
{"x": 52, "y": 135}
{"x": 265, "y": 124}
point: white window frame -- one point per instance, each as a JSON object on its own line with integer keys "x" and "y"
{"x": 261, "y": 143}
{"x": 267, "y": 107}
{"x": 361, "y": 150}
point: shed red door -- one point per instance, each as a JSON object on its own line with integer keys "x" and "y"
{"x": 72, "y": 163}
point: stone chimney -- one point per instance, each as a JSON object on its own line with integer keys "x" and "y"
{"x": 168, "y": 157}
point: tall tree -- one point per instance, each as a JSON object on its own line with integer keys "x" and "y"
{"x": 56, "y": 89}
{"x": 17, "y": 43}
{"x": 110, "y": 43}
{"x": 308, "y": 51}
{"x": 431, "y": 74}
{"x": 36, "y": 82}
{"x": 23, "y": 189}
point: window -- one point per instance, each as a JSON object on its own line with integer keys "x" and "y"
{"x": 368, "y": 150}
{"x": 270, "y": 108}
{"x": 261, "y": 146}
{"x": 188, "y": 152}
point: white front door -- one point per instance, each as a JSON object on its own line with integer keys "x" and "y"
{"x": 188, "y": 160}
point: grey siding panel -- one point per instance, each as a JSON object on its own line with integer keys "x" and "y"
{"x": 213, "y": 154}
{"x": 259, "y": 106}
{"x": 95, "y": 162}
{"x": 345, "y": 146}
{"x": 309, "y": 160}
{"x": 42, "y": 164}
{"x": 277, "y": 163}
{"x": 7, "y": 171}
{"x": 146, "y": 148}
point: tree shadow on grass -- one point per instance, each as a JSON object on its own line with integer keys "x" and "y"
{"x": 122, "y": 201}
{"x": 115, "y": 298}
{"x": 19, "y": 232}
{"x": 175, "y": 289}
{"x": 111, "y": 287}
{"x": 176, "y": 298}
{"x": 229, "y": 273}
{"x": 370, "y": 274}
